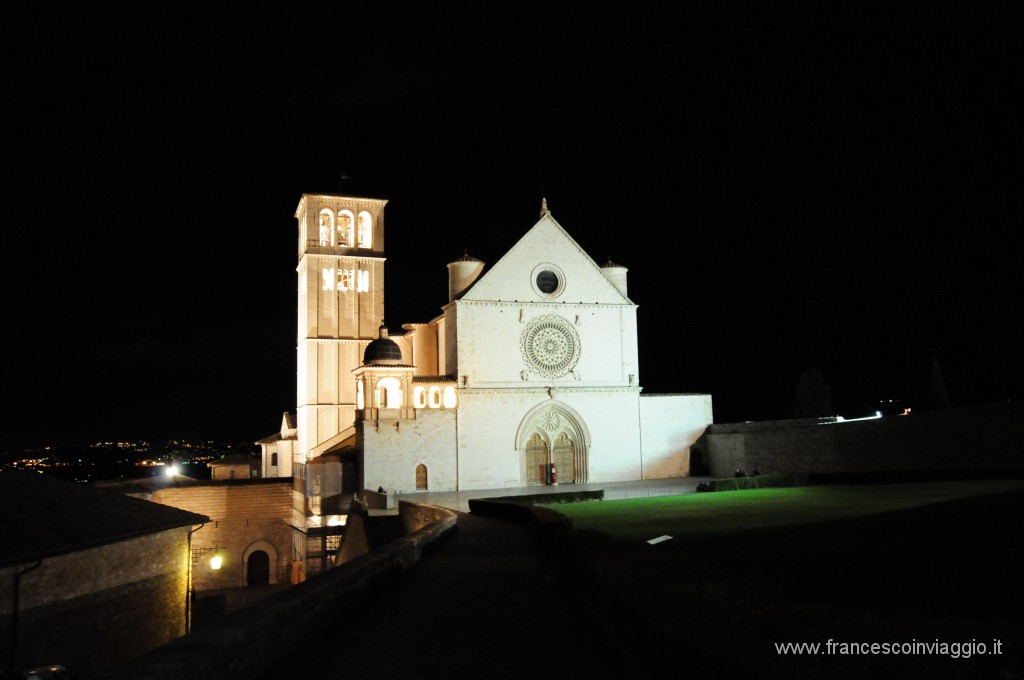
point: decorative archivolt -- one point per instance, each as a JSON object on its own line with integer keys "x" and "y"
{"x": 548, "y": 419}
{"x": 554, "y": 433}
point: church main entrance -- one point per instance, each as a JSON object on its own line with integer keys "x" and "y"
{"x": 553, "y": 433}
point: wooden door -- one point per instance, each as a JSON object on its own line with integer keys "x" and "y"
{"x": 536, "y": 459}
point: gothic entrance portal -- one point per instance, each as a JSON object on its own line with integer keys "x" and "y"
{"x": 553, "y": 433}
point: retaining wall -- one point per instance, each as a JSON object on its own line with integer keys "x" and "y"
{"x": 246, "y": 642}
{"x": 970, "y": 438}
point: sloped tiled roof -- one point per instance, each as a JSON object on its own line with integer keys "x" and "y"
{"x": 45, "y": 516}
{"x": 276, "y": 437}
{"x": 147, "y": 484}
{"x": 235, "y": 459}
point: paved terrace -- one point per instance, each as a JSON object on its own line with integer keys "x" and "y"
{"x": 488, "y": 598}
{"x": 613, "y": 491}
{"x": 489, "y": 601}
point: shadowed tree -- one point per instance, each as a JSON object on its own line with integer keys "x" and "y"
{"x": 812, "y": 398}
{"x": 938, "y": 397}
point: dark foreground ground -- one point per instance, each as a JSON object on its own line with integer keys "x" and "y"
{"x": 485, "y": 604}
{"x": 497, "y": 601}
{"x": 952, "y": 572}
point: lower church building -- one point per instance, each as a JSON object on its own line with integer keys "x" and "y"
{"x": 529, "y": 375}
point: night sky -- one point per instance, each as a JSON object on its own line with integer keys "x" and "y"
{"x": 789, "y": 187}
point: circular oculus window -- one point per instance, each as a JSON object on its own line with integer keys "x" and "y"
{"x": 548, "y": 280}
{"x": 550, "y": 346}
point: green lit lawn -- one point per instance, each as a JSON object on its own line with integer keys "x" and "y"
{"x": 714, "y": 513}
{"x": 866, "y": 563}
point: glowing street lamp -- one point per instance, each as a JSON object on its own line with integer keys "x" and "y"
{"x": 216, "y": 561}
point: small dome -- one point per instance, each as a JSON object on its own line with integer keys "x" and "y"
{"x": 383, "y": 350}
{"x": 466, "y": 258}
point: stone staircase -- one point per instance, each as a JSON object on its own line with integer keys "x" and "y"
{"x": 382, "y": 529}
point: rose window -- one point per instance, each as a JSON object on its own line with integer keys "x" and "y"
{"x": 551, "y": 421}
{"x": 550, "y": 346}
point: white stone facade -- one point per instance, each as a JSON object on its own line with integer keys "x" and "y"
{"x": 530, "y": 362}
{"x": 279, "y": 450}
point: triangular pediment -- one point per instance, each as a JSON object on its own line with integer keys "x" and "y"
{"x": 546, "y": 252}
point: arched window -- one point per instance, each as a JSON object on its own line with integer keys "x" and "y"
{"x": 360, "y": 400}
{"x": 449, "y": 397}
{"x": 435, "y": 397}
{"x": 344, "y": 229}
{"x": 273, "y": 459}
{"x": 421, "y": 477}
{"x": 419, "y": 397}
{"x": 364, "y": 230}
{"x": 389, "y": 393}
{"x": 326, "y": 223}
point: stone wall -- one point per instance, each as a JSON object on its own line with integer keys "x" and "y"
{"x": 414, "y": 516}
{"x": 244, "y": 643}
{"x": 393, "y": 450}
{"x": 354, "y": 543}
{"x": 961, "y": 439}
{"x": 89, "y": 609}
{"x": 247, "y": 515}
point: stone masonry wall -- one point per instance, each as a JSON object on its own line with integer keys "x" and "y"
{"x": 245, "y": 516}
{"x": 89, "y": 609}
{"x": 970, "y": 438}
{"x": 244, "y": 643}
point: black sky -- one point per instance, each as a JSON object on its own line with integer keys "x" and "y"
{"x": 789, "y": 186}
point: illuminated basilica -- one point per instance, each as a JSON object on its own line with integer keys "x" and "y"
{"x": 529, "y": 370}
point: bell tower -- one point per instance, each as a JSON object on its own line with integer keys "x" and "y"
{"x": 340, "y": 305}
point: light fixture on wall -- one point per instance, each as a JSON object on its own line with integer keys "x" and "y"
{"x": 216, "y": 561}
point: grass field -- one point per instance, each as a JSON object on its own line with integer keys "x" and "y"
{"x": 936, "y": 562}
